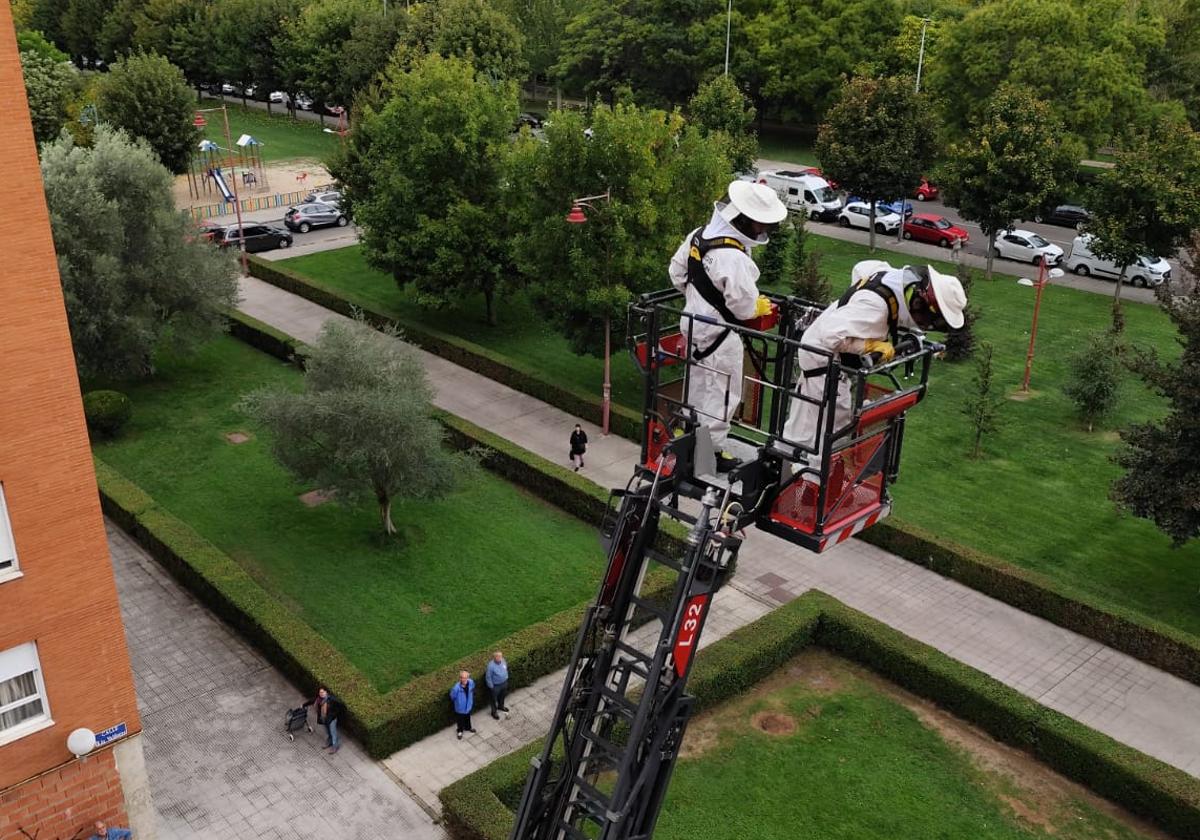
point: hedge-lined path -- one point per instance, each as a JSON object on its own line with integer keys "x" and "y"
{"x": 212, "y": 711}
{"x": 1123, "y": 697}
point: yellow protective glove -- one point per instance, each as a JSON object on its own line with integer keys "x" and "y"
{"x": 884, "y": 348}
{"x": 763, "y": 307}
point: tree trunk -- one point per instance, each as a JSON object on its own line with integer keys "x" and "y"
{"x": 871, "y": 227}
{"x": 1120, "y": 283}
{"x": 991, "y": 254}
{"x": 244, "y": 105}
{"x": 385, "y": 514}
{"x": 489, "y": 297}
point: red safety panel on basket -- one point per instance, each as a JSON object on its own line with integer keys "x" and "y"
{"x": 765, "y": 322}
{"x": 657, "y": 437}
{"x": 671, "y": 350}
{"x": 796, "y": 505}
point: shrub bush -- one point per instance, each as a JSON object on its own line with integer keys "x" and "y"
{"x": 106, "y": 412}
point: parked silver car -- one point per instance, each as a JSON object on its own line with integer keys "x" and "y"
{"x": 305, "y": 217}
{"x": 324, "y": 197}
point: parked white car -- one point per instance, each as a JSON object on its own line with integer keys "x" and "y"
{"x": 1027, "y": 246}
{"x": 1145, "y": 271}
{"x": 304, "y": 102}
{"x": 858, "y": 214}
{"x": 278, "y": 97}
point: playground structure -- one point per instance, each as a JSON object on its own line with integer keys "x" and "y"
{"x": 619, "y": 724}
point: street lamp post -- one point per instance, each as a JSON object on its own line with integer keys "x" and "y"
{"x": 1039, "y": 284}
{"x": 921, "y": 54}
{"x": 728, "y": 28}
{"x": 578, "y": 217}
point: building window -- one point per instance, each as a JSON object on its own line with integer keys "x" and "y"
{"x": 23, "y": 707}
{"x": 8, "y": 549}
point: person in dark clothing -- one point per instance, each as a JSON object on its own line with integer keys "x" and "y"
{"x": 578, "y": 446}
{"x": 462, "y": 695}
{"x": 329, "y": 712}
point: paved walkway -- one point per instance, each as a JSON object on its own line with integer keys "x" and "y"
{"x": 212, "y": 711}
{"x": 1121, "y": 696}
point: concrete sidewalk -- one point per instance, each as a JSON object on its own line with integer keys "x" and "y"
{"x": 1139, "y": 705}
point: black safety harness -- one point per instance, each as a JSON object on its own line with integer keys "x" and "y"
{"x": 699, "y": 280}
{"x": 875, "y": 284}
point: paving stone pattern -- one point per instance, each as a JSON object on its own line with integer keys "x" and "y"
{"x": 212, "y": 710}
{"x": 1121, "y": 696}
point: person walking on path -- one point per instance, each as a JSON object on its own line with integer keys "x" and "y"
{"x": 103, "y": 832}
{"x": 578, "y": 446}
{"x": 956, "y": 250}
{"x": 462, "y": 695}
{"x": 329, "y": 712}
{"x": 497, "y": 682}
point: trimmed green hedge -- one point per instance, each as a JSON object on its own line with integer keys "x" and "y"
{"x": 384, "y": 722}
{"x": 1155, "y": 643}
{"x": 495, "y": 366}
{"x": 479, "y": 806}
{"x": 266, "y": 338}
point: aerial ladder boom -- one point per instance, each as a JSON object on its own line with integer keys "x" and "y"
{"x": 605, "y": 766}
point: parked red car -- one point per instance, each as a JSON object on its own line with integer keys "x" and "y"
{"x": 926, "y": 191}
{"x": 926, "y": 227}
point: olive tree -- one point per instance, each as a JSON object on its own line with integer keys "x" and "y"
{"x": 134, "y": 275}
{"x": 363, "y": 427}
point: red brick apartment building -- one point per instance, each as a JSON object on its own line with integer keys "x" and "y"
{"x": 63, "y": 660}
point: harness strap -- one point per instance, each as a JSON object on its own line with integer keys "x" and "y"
{"x": 701, "y": 355}
{"x": 875, "y": 284}
{"x": 698, "y": 275}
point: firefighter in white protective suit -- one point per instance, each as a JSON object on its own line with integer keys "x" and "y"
{"x": 862, "y": 328}
{"x": 719, "y": 280}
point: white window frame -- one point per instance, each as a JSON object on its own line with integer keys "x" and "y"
{"x": 11, "y": 568}
{"x": 17, "y": 661}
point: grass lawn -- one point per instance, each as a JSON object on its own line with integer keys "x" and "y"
{"x": 282, "y": 137}
{"x": 471, "y": 569}
{"x": 1039, "y": 497}
{"x": 823, "y": 749}
{"x": 787, "y": 146}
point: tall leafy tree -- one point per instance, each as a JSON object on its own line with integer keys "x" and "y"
{"x": 470, "y": 29}
{"x": 363, "y": 427}
{"x": 314, "y": 47}
{"x": 46, "y": 16}
{"x": 543, "y": 23}
{"x": 1012, "y": 159}
{"x": 246, "y": 37}
{"x": 1149, "y": 203}
{"x": 606, "y": 45}
{"x": 423, "y": 177}
{"x": 147, "y": 96}
{"x": 82, "y": 23}
{"x": 182, "y": 29}
{"x": 1161, "y": 458}
{"x": 118, "y": 33}
{"x": 1173, "y": 70}
{"x": 49, "y": 83}
{"x": 878, "y": 139}
{"x": 584, "y": 276}
{"x": 1085, "y": 58}
{"x": 720, "y": 110}
{"x": 134, "y": 276}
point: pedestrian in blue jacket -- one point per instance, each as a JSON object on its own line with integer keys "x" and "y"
{"x": 497, "y": 683}
{"x": 462, "y": 695}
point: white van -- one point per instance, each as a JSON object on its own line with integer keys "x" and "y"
{"x": 1145, "y": 271}
{"x": 805, "y": 193}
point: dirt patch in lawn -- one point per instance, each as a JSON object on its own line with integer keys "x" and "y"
{"x": 774, "y": 723}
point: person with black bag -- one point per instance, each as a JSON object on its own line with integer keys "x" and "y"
{"x": 579, "y": 442}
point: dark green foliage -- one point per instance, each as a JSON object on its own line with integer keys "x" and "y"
{"x": 777, "y": 258}
{"x": 49, "y": 84}
{"x": 809, "y": 282}
{"x": 472, "y": 30}
{"x": 960, "y": 343}
{"x": 982, "y": 406}
{"x": 1094, "y": 378}
{"x": 721, "y": 110}
{"x": 1161, "y": 458}
{"x": 106, "y": 412}
{"x": 147, "y": 96}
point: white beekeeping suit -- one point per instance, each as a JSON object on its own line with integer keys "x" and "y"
{"x": 865, "y": 320}
{"x": 715, "y": 261}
